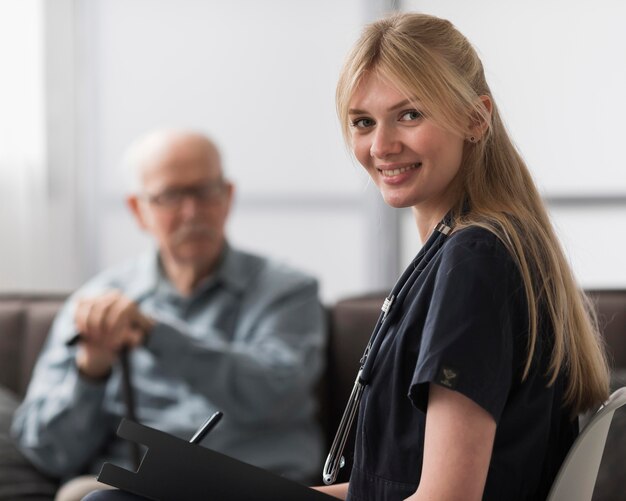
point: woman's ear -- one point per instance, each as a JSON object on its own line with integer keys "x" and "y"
{"x": 481, "y": 120}
{"x": 486, "y": 101}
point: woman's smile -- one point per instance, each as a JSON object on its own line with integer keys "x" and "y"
{"x": 397, "y": 175}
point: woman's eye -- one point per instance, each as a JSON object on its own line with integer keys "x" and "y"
{"x": 362, "y": 123}
{"x": 410, "y": 115}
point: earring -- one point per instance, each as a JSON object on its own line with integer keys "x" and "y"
{"x": 472, "y": 139}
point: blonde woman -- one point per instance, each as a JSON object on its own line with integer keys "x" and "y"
{"x": 487, "y": 351}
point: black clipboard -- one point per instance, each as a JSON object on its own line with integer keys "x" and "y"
{"x": 173, "y": 469}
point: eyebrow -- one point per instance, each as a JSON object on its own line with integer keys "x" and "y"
{"x": 401, "y": 104}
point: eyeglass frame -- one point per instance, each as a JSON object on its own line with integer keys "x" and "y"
{"x": 207, "y": 194}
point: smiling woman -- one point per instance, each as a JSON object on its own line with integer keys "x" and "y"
{"x": 486, "y": 350}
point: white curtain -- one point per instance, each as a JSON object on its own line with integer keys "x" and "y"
{"x": 23, "y": 180}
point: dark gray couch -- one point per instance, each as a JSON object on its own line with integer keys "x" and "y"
{"x": 25, "y": 321}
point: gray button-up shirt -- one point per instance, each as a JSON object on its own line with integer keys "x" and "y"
{"x": 248, "y": 342}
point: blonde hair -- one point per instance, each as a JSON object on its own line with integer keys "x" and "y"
{"x": 426, "y": 57}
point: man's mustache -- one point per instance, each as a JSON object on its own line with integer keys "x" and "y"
{"x": 192, "y": 230}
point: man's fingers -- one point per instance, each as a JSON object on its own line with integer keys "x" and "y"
{"x": 112, "y": 321}
{"x": 145, "y": 323}
{"x": 127, "y": 337}
{"x": 119, "y": 313}
{"x": 96, "y": 318}
{"x": 81, "y": 314}
{"x": 135, "y": 337}
{"x": 128, "y": 316}
{"x": 95, "y": 315}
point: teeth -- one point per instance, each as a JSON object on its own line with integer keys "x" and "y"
{"x": 395, "y": 172}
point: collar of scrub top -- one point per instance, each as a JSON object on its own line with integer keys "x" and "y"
{"x": 335, "y": 460}
{"x": 397, "y": 296}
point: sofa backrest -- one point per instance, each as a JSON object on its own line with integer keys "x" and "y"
{"x": 26, "y": 319}
{"x": 611, "y": 309}
{"x": 24, "y": 324}
{"x": 352, "y": 320}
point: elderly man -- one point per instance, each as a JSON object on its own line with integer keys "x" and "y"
{"x": 209, "y": 328}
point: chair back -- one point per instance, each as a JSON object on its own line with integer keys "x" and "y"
{"x": 577, "y": 476}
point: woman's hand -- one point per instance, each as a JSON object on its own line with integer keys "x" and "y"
{"x": 340, "y": 491}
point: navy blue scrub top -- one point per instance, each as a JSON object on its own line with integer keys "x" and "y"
{"x": 459, "y": 319}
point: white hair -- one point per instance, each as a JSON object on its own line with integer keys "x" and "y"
{"x": 148, "y": 149}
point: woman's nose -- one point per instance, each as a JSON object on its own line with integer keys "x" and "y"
{"x": 384, "y": 143}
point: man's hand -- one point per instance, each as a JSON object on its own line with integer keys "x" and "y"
{"x": 107, "y": 323}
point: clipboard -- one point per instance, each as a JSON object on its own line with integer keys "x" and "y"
{"x": 173, "y": 469}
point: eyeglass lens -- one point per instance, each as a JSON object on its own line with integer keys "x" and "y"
{"x": 174, "y": 197}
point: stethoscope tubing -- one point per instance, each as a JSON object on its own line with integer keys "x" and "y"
{"x": 335, "y": 459}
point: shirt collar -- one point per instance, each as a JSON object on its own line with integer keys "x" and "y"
{"x": 147, "y": 277}
{"x": 230, "y": 272}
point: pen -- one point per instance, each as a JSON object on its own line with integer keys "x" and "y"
{"x": 206, "y": 428}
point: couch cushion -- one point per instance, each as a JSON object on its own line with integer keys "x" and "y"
{"x": 38, "y": 318}
{"x": 18, "y": 478}
{"x": 611, "y": 308}
{"x": 24, "y": 324}
{"x": 11, "y": 322}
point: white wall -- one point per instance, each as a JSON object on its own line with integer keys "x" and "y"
{"x": 557, "y": 71}
{"x": 259, "y": 76}
{"x": 36, "y": 190}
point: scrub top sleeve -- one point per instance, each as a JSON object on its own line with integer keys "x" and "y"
{"x": 467, "y": 341}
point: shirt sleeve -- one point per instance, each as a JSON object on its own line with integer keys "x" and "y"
{"x": 60, "y": 424}
{"x": 269, "y": 368}
{"x": 467, "y": 343}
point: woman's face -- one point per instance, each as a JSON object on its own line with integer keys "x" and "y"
{"x": 411, "y": 159}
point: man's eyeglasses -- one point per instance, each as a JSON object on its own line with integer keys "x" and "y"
{"x": 206, "y": 194}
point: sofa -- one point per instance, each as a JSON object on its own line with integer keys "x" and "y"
{"x": 26, "y": 318}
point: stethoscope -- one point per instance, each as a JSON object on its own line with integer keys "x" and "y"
{"x": 335, "y": 460}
